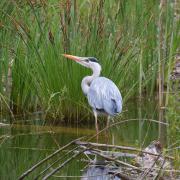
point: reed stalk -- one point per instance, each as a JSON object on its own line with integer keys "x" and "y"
{"x": 121, "y": 34}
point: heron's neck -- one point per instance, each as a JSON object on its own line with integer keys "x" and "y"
{"x": 86, "y": 82}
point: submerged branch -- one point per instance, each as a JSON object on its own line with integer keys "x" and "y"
{"x": 120, "y": 175}
{"x": 125, "y": 121}
{"x": 118, "y": 147}
{"x": 63, "y": 164}
{"x": 98, "y": 152}
{"x": 44, "y": 171}
{"x": 150, "y": 164}
{"x": 44, "y": 160}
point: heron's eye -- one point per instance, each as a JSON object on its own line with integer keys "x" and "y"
{"x": 87, "y": 60}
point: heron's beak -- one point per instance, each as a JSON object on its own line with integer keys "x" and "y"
{"x": 79, "y": 60}
{"x": 75, "y": 58}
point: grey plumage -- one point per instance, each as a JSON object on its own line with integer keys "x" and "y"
{"x": 104, "y": 96}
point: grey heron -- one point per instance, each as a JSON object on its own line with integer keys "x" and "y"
{"x": 103, "y": 95}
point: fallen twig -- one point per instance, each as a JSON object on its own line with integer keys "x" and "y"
{"x": 125, "y": 121}
{"x": 147, "y": 171}
{"x": 42, "y": 172}
{"x": 44, "y": 160}
{"x": 160, "y": 170}
{"x": 62, "y": 165}
{"x": 120, "y": 175}
{"x": 98, "y": 152}
{"x": 117, "y": 147}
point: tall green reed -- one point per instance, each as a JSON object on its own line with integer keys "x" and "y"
{"x": 123, "y": 35}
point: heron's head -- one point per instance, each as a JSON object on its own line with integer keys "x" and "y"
{"x": 89, "y": 62}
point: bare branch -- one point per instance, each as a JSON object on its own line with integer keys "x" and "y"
{"x": 118, "y": 147}
{"x": 44, "y": 160}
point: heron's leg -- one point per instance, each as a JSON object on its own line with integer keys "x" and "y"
{"x": 96, "y": 124}
{"x": 107, "y": 129}
{"x": 108, "y": 121}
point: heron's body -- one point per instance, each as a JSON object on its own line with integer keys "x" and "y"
{"x": 102, "y": 94}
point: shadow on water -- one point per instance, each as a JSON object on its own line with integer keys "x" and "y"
{"x": 98, "y": 172}
{"x": 22, "y": 146}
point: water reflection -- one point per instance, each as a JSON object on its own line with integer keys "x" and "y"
{"x": 98, "y": 172}
{"x": 26, "y": 145}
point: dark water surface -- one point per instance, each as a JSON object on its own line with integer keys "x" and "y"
{"x": 22, "y": 145}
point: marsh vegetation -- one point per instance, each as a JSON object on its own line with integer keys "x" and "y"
{"x": 137, "y": 44}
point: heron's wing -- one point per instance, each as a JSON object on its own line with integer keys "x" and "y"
{"x": 104, "y": 95}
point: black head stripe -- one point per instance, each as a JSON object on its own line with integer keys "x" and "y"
{"x": 92, "y": 59}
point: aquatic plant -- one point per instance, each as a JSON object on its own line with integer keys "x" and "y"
{"x": 135, "y": 41}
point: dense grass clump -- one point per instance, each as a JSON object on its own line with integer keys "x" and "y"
{"x": 135, "y": 41}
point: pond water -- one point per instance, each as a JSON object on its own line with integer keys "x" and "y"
{"x": 25, "y": 144}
